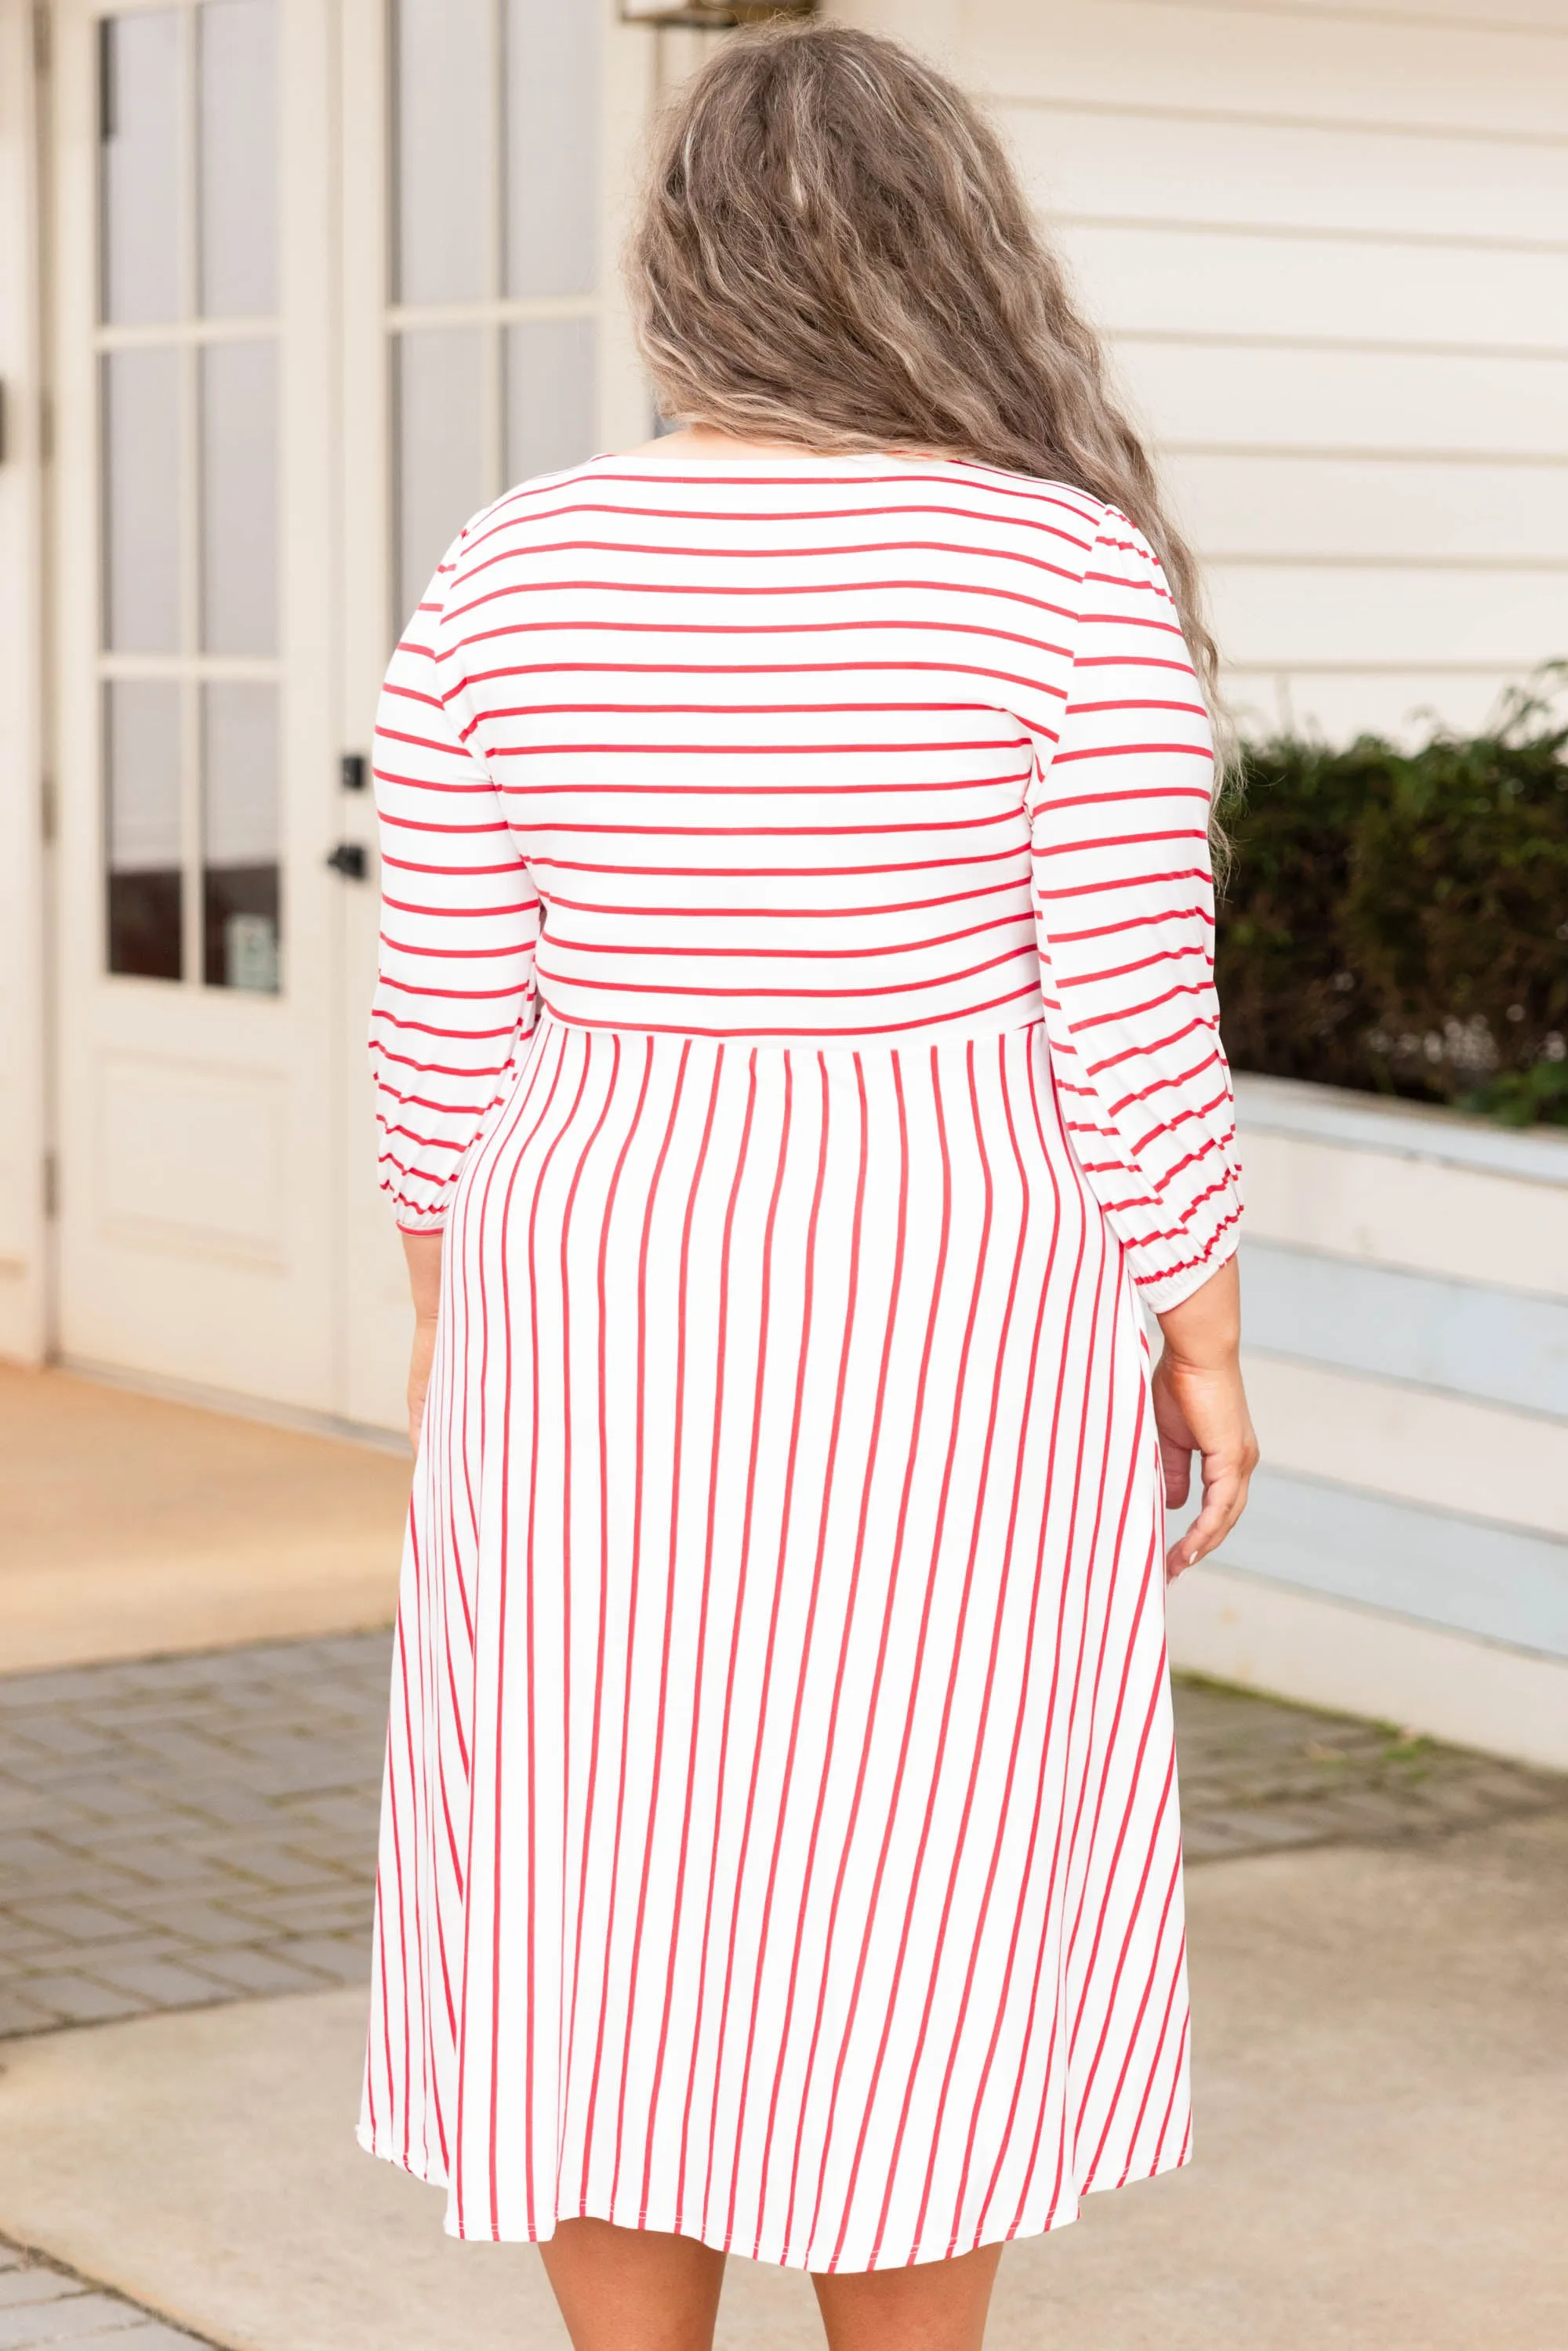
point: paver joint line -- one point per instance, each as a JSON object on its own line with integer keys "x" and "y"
{"x": 42, "y": 2302}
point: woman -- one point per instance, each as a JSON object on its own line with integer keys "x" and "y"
{"x": 796, "y": 1015}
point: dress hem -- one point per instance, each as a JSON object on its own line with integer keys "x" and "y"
{"x": 1061, "y": 2217}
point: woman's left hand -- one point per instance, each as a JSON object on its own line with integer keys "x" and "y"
{"x": 1200, "y": 1407}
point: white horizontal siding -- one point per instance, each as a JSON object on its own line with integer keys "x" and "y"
{"x": 1505, "y": 15}
{"x": 1354, "y": 64}
{"x": 1389, "y": 404}
{"x": 1306, "y": 289}
{"x": 1419, "y": 511}
{"x": 1286, "y": 616}
{"x": 1329, "y": 245}
{"x": 1100, "y": 163}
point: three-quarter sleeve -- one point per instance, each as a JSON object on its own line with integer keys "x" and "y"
{"x": 459, "y": 921}
{"x": 1123, "y": 898}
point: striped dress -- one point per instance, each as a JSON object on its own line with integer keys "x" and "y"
{"x": 796, "y": 1008}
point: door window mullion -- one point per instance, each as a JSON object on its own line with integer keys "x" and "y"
{"x": 494, "y": 259}
{"x": 190, "y": 520}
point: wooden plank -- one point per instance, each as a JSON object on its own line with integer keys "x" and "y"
{"x": 1497, "y": 1346}
{"x": 1106, "y": 165}
{"x": 1330, "y": 1170}
{"x": 1233, "y": 397}
{"x": 1335, "y": 616}
{"x": 1270, "y": 65}
{"x": 1236, "y": 506}
{"x": 1185, "y": 281}
{"x": 1410, "y": 1445}
{"x": 1467, "y": 1573}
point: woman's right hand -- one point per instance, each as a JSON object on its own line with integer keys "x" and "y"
{"x": 1200, "y": 1407}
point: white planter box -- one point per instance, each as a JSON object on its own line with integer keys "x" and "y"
{"x": 1405, "y": 1276}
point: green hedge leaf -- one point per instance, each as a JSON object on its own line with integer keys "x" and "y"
{"x": 1397, "y": 921}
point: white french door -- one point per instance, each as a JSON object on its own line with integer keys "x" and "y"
{"x": 487, "y": 148}
{"x": 194, "y": 550}
{"x": 328, "y": 275}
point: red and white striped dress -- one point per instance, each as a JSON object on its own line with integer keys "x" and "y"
{"x": 796, "y": 1006}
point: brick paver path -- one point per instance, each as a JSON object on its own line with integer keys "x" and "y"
{"x": 41, "y": 2305}
{"x": 201, "y": 1829}
{"x": 1257, "y": 1776}
{"x": 189, "y": 1830}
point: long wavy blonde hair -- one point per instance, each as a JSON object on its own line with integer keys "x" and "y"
{"x": 833, "y": 249}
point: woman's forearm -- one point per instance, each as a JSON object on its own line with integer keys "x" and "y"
{"x": 1204, "y": 1330}
{"x": 422, "y": 1253}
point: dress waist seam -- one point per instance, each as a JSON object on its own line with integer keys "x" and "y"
{"x": 938, "y": 1033}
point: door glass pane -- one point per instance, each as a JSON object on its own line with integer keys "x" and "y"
{"x": 552, "y": 411}
{"x": 143, "y": 117}
{"x": 441, "y": 447}
{"x": 239, "y": 498}
{"x": 445, "y": 144}
{"x": 141, "y": 732}
{"x": 238, "y": 131}
{"x": 141, "y": 501}
{"x": 552, "y": 122}
{"x": 240, "y": 839}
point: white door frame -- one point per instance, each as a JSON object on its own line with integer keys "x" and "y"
{"x": 24, "y": 803}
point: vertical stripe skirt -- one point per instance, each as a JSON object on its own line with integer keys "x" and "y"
{"x": 780, "y": 1842}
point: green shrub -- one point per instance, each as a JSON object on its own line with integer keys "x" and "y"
{"x": 1398, "y": 921}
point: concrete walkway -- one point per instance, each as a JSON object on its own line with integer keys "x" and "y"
{"x": 130, "y": 1526}
{"x": 1382, "y": 2068}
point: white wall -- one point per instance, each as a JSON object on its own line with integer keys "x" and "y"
{"x": 1330, "y": 245}
{"x": 1406, "y": 1550}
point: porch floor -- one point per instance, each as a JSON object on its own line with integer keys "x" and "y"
{"x": 132, "y": 1528}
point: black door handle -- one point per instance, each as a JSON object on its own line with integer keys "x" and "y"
{"x": 349, "y": 858}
